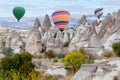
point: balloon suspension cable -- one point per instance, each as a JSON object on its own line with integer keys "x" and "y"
{"x": 18, "y": 20}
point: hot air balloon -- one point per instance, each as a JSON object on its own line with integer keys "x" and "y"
{"x": 98, "y": 12}
{"x": 18, "y": 12}
{"x": 61, "y": 19}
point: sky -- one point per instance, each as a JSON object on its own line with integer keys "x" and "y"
{"x": 35, "y": 8}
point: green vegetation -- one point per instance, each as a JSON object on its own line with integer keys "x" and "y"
{"x": 49, "y": 54}
{"x": 31, "y": 76}
{"x": 7, "y": 50}
{"x": 20, "y": 67}
{"x": 116, "y": 48}
{"x": 108, "y": 54}
{"x": 55, "y": 60}
{"x": 76, "y": 58}
{"x": 18, "y": 63}
{"x": 73, "y": 59}
{"x": 87, "y": 58}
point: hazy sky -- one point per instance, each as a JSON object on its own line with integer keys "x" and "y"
{"x": 36, "y": 8}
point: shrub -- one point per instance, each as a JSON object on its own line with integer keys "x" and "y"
{"x": 31, "y": 76}
{"x": 73, "y": 59}
{"x": 116, "y": 48}
{"x": 7, "y": 50}
{"x": 18, "y": 63}
{"x": 108, "y": 54}
{"x": 49, "y": 54}
{"x": 55, "y": 60}
{"x": 82, "y": 50}
{"x": 76, "y": 59}
{"x": 20, "y": 67}
{"x": 87, "y": 58}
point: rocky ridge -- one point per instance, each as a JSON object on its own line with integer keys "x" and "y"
{"x": 95, "y": 37}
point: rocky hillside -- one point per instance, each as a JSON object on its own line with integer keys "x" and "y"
{"x": 105, "y": 69}
{"x": 95, "y": 37}
{"x": 106, "y": 33}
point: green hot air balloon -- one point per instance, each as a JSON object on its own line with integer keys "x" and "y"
{"x": 18, "y": 12}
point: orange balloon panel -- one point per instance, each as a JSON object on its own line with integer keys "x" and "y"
{"x": 61, "y": 25}
{"x": 64, "y": 17}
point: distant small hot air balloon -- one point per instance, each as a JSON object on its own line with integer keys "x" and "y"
{"x": 18, "y": 12}
{"x": 98, "y": 12}
{"x": 61, "y": 19}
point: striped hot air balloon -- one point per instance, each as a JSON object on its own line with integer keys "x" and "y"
{"x": 61, "y": 19}
{"x": 98, "y": 12}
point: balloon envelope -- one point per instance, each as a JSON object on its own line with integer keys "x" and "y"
{"x": 18, "y": 12}
{"x": 98, "y": 12}
{"x": 61, "y": 19}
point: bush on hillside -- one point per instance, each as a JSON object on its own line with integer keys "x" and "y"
{"x": 20, "y": 67}
{"x": 116, "y": 48}
{"x": 76, "y": 59}
{"x": 87, "y": 58}
{"x": 18, "y": 63}
{"x": 49, "y": 54}
{"x": 55, "y": 60}
{"x": 73, "y": 59}
{"x": 82, "y": 50}
{"x": 31, "y": 76}
{"x": 108, "y": 54}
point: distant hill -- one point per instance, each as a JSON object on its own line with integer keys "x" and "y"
{"x": 27, "y": 22}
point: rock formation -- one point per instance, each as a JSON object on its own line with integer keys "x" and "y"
{"x": 86, "y": 72}
{"x": 109, "y": 30}
{"x": 94, "y": 45}
{"x": 46, "y": 23}
{"x": 95, "y": 23}
{"x": 96, "y": 36}
{"x": 36, "y": 24}
{"x": 1, "y": 42}
{"x": 107, "y": 69}
{"x": 8, "y": 41}
{"x": 106, "y": 24}
{"x": 82, "y": 21}
{"x": 33, "y": 44}
{"x": 16, "y": 43}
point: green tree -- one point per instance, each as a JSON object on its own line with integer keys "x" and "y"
{"x": 18, "y": 63}
{"x": 116, "y": 48}
{"x": 77, "y": 58}
{"x": 7, "y": 50}
{"x": 20, "y": 67}
{"x": 74, "y": 59}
